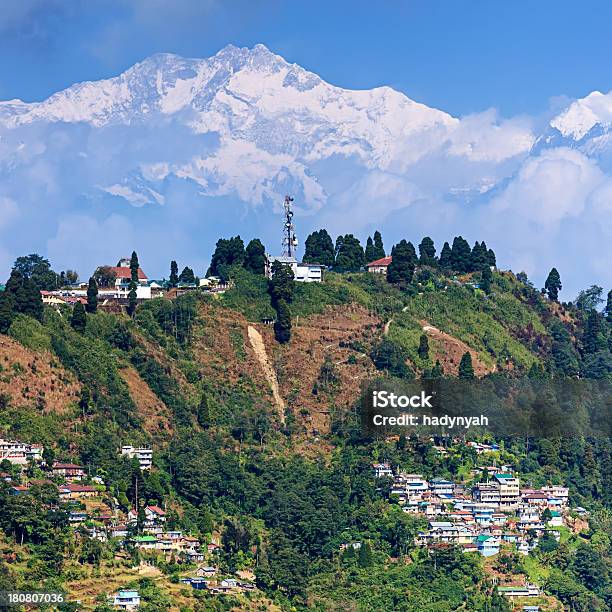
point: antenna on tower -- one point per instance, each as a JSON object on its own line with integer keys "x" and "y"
{"x": 290, "y": 241}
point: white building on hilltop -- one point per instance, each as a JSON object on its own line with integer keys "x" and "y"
{"x": 302, "y": 272}
{"x": 123, "y": 278}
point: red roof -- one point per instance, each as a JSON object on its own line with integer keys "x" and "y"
{"x": 156, "y": 510}
{"x": 385, "y": 261}
{"x": 124, "y": 272}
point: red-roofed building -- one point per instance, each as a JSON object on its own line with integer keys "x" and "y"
{"x": 123, "y": 278}
{"x": 379, "y": 266}
{"x": 154, "y": 514}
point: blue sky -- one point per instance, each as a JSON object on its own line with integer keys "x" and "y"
{"x": 460, "y": 56}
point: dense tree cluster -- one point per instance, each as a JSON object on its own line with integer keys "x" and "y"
{"x": 228, "y": 252}
{"x": 21, "y": 296}
{"x": 350, "y": 256}
{"x": 319, "y": 248}
{"x": 374, "y": 248}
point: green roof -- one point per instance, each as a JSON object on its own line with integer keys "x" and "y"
{"x": 146, "y": 538}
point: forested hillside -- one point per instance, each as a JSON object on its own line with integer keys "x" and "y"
{"x": 247, "y": 398}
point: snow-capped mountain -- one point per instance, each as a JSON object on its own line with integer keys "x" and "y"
{"x": 173, "y": 143}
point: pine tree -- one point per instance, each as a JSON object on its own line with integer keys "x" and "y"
{"x": 370, "y": 251}
{"x": 379, "y": 249}
{"x": 132, "y": 299}
{"x": 27, "y": 297}
{"x": 255, "y": 257}
{"x": 281, "y": 285}
{"x": 281, "y": 288}
{"x": 282, "y": 325}
{"x": 203, "y": 414}
{"x": 78, "y": 321}
{"x": 553, "y": 284}
{"x": 7, "y": 311}
{"x": 445, "y": 257}
{"x": 437, "y": 371}
{"x": 134, "y": 265}
{"x": 466, "y": 369}
{"x": 187, "y": 276}
{"x": 486, "y": 280}
{"x": 608, "y": 309}
{"x": 479, "y": 258}
{"x": 593, "y": 338}
{"x": 414, "y": 260}
{"x": 427, "y": 252}
{"x": 401, "y": 268}
{"x": 173, "y": 281}
{"x": 92, "y": 296}
{"x": 461, "y": 253}
{"x": 365, "y": 558}
{"x": 423, "y": 350}
{"x": 492, "y": 259}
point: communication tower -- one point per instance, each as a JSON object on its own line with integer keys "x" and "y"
{"x": 290, "y": 241}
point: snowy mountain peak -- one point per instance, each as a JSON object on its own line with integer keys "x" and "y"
{"x": 580, "y": 117}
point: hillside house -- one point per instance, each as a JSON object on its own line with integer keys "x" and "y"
{"x": 382, "y": 469}
{"x": 439, "y": 486}
{"x": 557, "y": 495}
{"x": 125, "y": 600}
{"x": 302, "y": 272}
{"x": 19, "y": 453}
{"x": 379, "y": 266}
{"x": 509, "y": 490}
{"x": 556, "y": 520}
{"x": 486, "y": 493}
{"x": 147, "y": 542}
{"x": 154, "y": 515}
{"x": 144, "y": 455}
{"x": 487, "y": 545}
{"x": 76, "y": 491}
{"x": 69, "y": 471}
{"x": 527, "y": 590}
{"x": 123, "y": 278}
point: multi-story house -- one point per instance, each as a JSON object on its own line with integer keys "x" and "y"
{"x": 144, "y": 455}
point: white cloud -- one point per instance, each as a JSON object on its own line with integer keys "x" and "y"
{"x": 550, "y": 187}
{"x": 95, "y": 241}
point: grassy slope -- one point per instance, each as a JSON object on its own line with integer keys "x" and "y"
{"x": 489, "y": 325}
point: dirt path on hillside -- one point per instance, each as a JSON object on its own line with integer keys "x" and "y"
{"x": 453, "y": 349}
{"x": 388, "y": 323}
{"x": 262, "y": 356}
